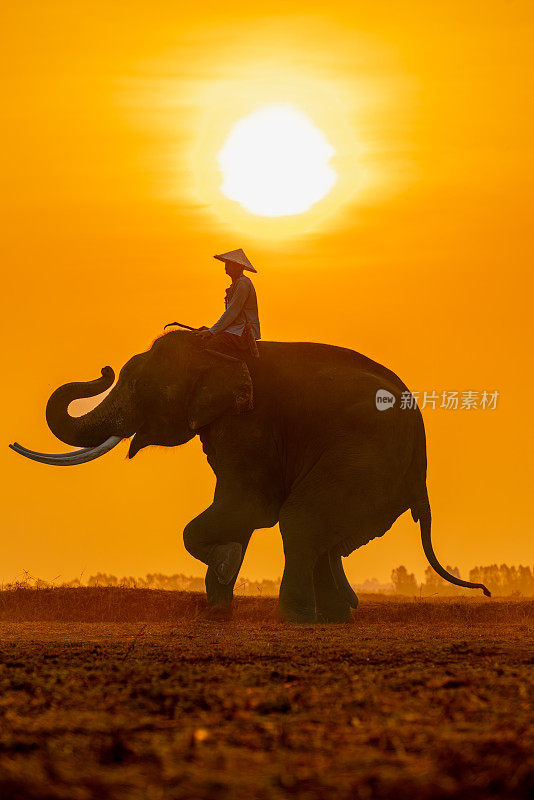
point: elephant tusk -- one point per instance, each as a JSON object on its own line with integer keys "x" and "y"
{"x": 18, "y": 448}
{"x": 69, "y": 459}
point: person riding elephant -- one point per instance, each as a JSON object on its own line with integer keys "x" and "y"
{"x": 296, "y": 436}
{"x": 238, "y": 329}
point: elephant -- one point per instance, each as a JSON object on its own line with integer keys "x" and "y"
{"x": 296, "y": 437}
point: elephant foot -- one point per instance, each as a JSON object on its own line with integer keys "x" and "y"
{"x": 301, "y": 616}
{"x": 294, "y": 610}
{"x": 226, "y": 560}
{"x": 334, "y": 613}
{"x": 218, "y": 613}
{"x": 219, "y": 595}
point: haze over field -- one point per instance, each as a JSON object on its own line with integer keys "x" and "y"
{"x": 419, "y": 255}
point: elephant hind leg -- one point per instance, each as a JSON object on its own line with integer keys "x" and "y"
{"x": 330, "y": 605}
{"x": 340, "y": 579}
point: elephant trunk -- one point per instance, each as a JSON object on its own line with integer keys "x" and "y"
{"x": 111, "y": 418}
{"x": 95, "y": 433}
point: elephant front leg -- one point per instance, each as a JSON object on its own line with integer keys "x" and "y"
{"x": 297, "y": 595}
{"x": 309, "y": 591}
{"x": 329, "y": 604}
{"x": 220, "y": 595}
{"x": 297, "y": 598}
{"x": 218, "y": 537}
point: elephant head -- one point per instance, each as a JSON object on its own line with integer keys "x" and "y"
{"x": 163, "y": 397}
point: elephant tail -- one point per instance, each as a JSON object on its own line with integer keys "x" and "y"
{"x": 421, "y": 511}
{"x": 340, "y": 579}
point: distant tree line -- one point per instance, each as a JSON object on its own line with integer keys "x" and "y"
{"x": 180, "y": 582}
{"x": 501, "y": 580}
{"x": 505, "y": 580}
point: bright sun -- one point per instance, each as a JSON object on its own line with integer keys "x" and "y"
{"x": 275, "y": 162}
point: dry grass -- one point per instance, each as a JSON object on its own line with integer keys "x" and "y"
{"x": 110, "y": 604}
{"x": 155, "y": 700}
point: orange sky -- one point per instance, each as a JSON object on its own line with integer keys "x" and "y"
{"x": 421, "y": 257}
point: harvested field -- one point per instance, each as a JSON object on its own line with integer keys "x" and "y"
{"x": 117, "y": 693}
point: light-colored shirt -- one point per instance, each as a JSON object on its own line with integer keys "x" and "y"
{"x": 242, "y": 308}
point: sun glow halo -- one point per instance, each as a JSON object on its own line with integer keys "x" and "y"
{"x": 275, "y": 162}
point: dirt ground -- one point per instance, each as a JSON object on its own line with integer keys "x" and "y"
{"x": 413, "y": 699}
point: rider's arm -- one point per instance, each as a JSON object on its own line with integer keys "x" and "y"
{"x": 233, "y": 309}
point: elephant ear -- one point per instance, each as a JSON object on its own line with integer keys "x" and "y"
{"x": 223, "y": 386}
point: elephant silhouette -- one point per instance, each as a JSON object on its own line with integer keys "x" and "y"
{"x": 297, "y": 436}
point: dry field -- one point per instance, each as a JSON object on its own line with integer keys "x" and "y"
{"x": 117, "y": 693}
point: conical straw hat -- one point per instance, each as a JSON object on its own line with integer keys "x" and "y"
{"x": 238, "y": 257}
